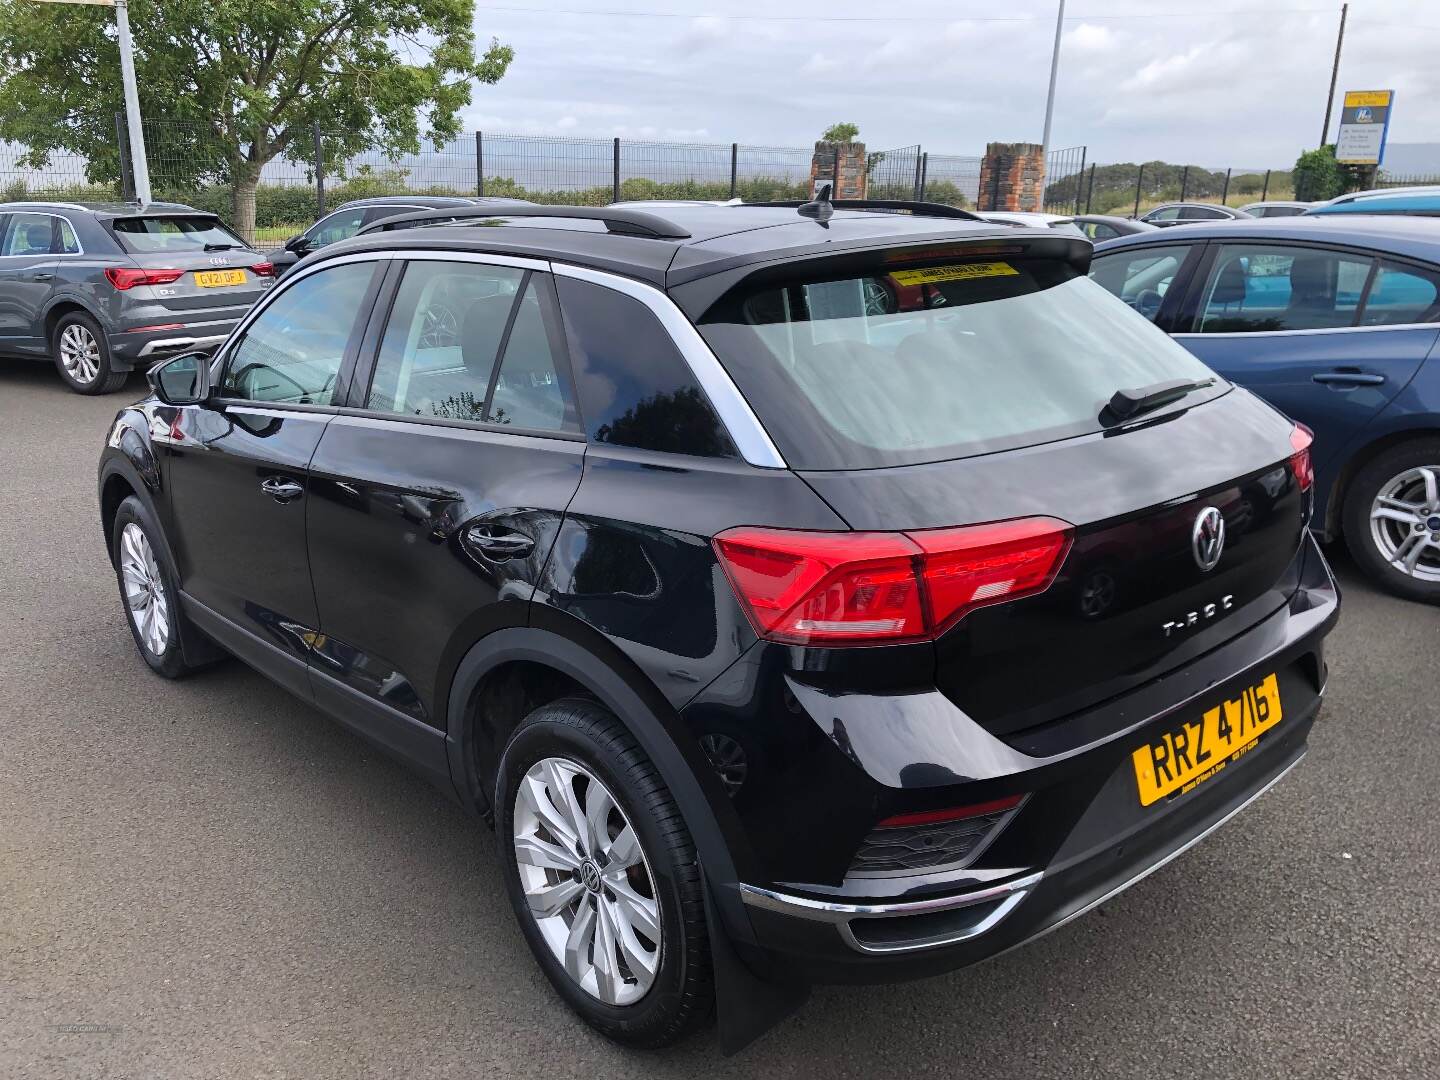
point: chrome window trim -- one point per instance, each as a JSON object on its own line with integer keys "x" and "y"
{"x": 1315, "y": 330}
{"x": 748, "y": 434}
{"x": 1010, "y": 894}
{"x": 55, "y": 217}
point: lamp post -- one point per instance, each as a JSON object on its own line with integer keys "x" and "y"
{"x": 138, "y": 161}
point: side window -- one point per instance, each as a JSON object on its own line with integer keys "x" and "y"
{"x": 340, "y": 225}
{"x": 635, "y": 387}
{"x": 1168, "y": 213}
{"x": 1258, "y": 288}
{"x": 1140, "y": 276}
{"x": 1098, "y": 230}
{"x": 1201, "y": 213}
{"x": 1402, "y": 294}
{"x": 293, "y": 350}
{"x": 28, "y": 234}
{"x": 69, "y": 242}
{"x": 450, "y": 323}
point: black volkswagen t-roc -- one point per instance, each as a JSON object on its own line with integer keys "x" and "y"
{"x": 831, "y": 595}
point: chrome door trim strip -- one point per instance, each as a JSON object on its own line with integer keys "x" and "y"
{"x": 749, "y": 435}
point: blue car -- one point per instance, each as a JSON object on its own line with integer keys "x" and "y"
{"x": 1334, "y": 321}
{"x": 1421, "y": 201}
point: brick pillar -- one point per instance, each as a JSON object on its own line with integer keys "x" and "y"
{"x": 851, "y": 182}
{"x": 1012, "y": 177}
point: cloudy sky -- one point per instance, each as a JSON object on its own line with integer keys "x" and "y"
{"x": 1211, "y": 82}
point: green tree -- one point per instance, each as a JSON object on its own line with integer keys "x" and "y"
{"x": 1318, "y": 175}
{"x": 842, "y": 133}
{"x": 251, "y": 77}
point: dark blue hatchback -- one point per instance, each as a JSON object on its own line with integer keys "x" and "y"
{"x": 1335, "y": 323}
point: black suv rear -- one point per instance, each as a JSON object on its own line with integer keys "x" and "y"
{"x": 803, "y": 597}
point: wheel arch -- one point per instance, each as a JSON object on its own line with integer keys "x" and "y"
{"x": 63, "y": 305}
{"x": 1427, "y": 428}
{"x": 576, "y": 659}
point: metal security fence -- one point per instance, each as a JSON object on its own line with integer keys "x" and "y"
{"x": 1390, "y": 180}
{"x": 1063, "y": 169}
{"x": 953, "y": 179}
{"x": 894, "y": 174}
{"x": 1131, "y": 188}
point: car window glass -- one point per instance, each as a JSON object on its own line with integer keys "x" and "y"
{"x": 446, "y": 329}
{"x": 1167, "y": 213}
{"x": 1201, "y": 213}
{"x": 338, "y": 226}
{"x": 1258, "y": 287}
{"x": 28, "y": 234}
{"x": 1140, "y": 276}
{"x": 69, "y": 242}
{"x": 635, "y": 387}
{"x": 1402, "y": 294}
{"x": 1098, "y": 230}
{"x": 174, "y": 233}
{"x": 293, "y": 350}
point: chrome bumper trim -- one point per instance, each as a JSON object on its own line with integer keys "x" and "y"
{"x": 1010, "y": 894}
{"x": 168, "y": 344}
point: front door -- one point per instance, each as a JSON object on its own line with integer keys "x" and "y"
{"x": 238, "y": 468}
{"x": 1296, "y": 325}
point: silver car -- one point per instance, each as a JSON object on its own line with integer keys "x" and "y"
{"x": 107, "y": 288}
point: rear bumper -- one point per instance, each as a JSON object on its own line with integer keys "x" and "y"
{"x": 1081, "y": 838}
{"x": 142, "y": 346}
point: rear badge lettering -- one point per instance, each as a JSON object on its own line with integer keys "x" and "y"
{"x": 1192, "y": 619}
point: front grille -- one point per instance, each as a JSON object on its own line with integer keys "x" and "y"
{"x": 900, "y": 849}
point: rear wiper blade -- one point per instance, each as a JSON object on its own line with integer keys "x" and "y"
{"x": 221, "y": 247}
{"x": 1131, "y": 402}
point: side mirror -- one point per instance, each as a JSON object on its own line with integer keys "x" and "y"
{"x": 298, "y": 244}
{"x": 182, "y": 380}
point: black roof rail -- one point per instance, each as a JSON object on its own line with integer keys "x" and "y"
{"x": 894, "y": 206}
{"x": 617, "y": 219}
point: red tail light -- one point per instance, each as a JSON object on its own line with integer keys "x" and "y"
{"x": 263, "y": 269}
{"x": 827, "y": 588}
{"x": 1300, "y": 464}
{"x": 127, "y": 277}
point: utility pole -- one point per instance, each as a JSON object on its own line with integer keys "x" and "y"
{"x": 138, "y": 162}
{"x": 1334, "y": 75}
{"x": 1054, "y": 71}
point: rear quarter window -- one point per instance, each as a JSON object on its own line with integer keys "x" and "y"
{"x": 635, "y": 387}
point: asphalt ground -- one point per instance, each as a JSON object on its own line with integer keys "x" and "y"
{"x": 207, "y": 878}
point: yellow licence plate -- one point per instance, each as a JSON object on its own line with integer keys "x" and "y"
{"x": 1181, "y": 759}
{"x": 211, "y": 279}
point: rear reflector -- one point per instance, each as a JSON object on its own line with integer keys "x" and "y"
{"x": 957, "y": 813}
{"x": 828, "y": 588}
{"x": 157, "y": 326}
{"x": 127, "y": 277}
{"x": 1301, "y": 438}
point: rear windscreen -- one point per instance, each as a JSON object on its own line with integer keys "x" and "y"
{"x": 907, "y": 364}
{"x": 141, "y": 235}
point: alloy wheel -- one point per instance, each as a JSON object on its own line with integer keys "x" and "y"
{"x": 80, "y": 353}
{"x": 144, "y": 590}
{"x": 587, "y": 881}
{"x": 1405, "y": 522}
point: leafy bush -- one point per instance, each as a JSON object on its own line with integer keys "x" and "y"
{"x": 1319, "y": 176}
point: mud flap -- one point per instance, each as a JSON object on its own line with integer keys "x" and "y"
{"x": 746, "y": 1006}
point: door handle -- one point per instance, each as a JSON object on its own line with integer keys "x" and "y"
{"x": 280, "y": 489}
{"x": 498, "y": 546}
{"x": 1346, "y": 378}
{"x": 42, "y": 277}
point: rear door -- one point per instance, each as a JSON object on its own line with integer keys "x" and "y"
{"x": 438, "y": 491}
{"x": 239, "y": 467}
{"x": 29, "y": 244}
{"x": 1291, "y": 323}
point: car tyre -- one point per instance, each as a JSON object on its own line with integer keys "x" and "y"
{"x": 603, "y": 876}
{"x": 1392, "y": 516}
{"x": 82, "y": 355}
{"x": 147, "y": 589}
